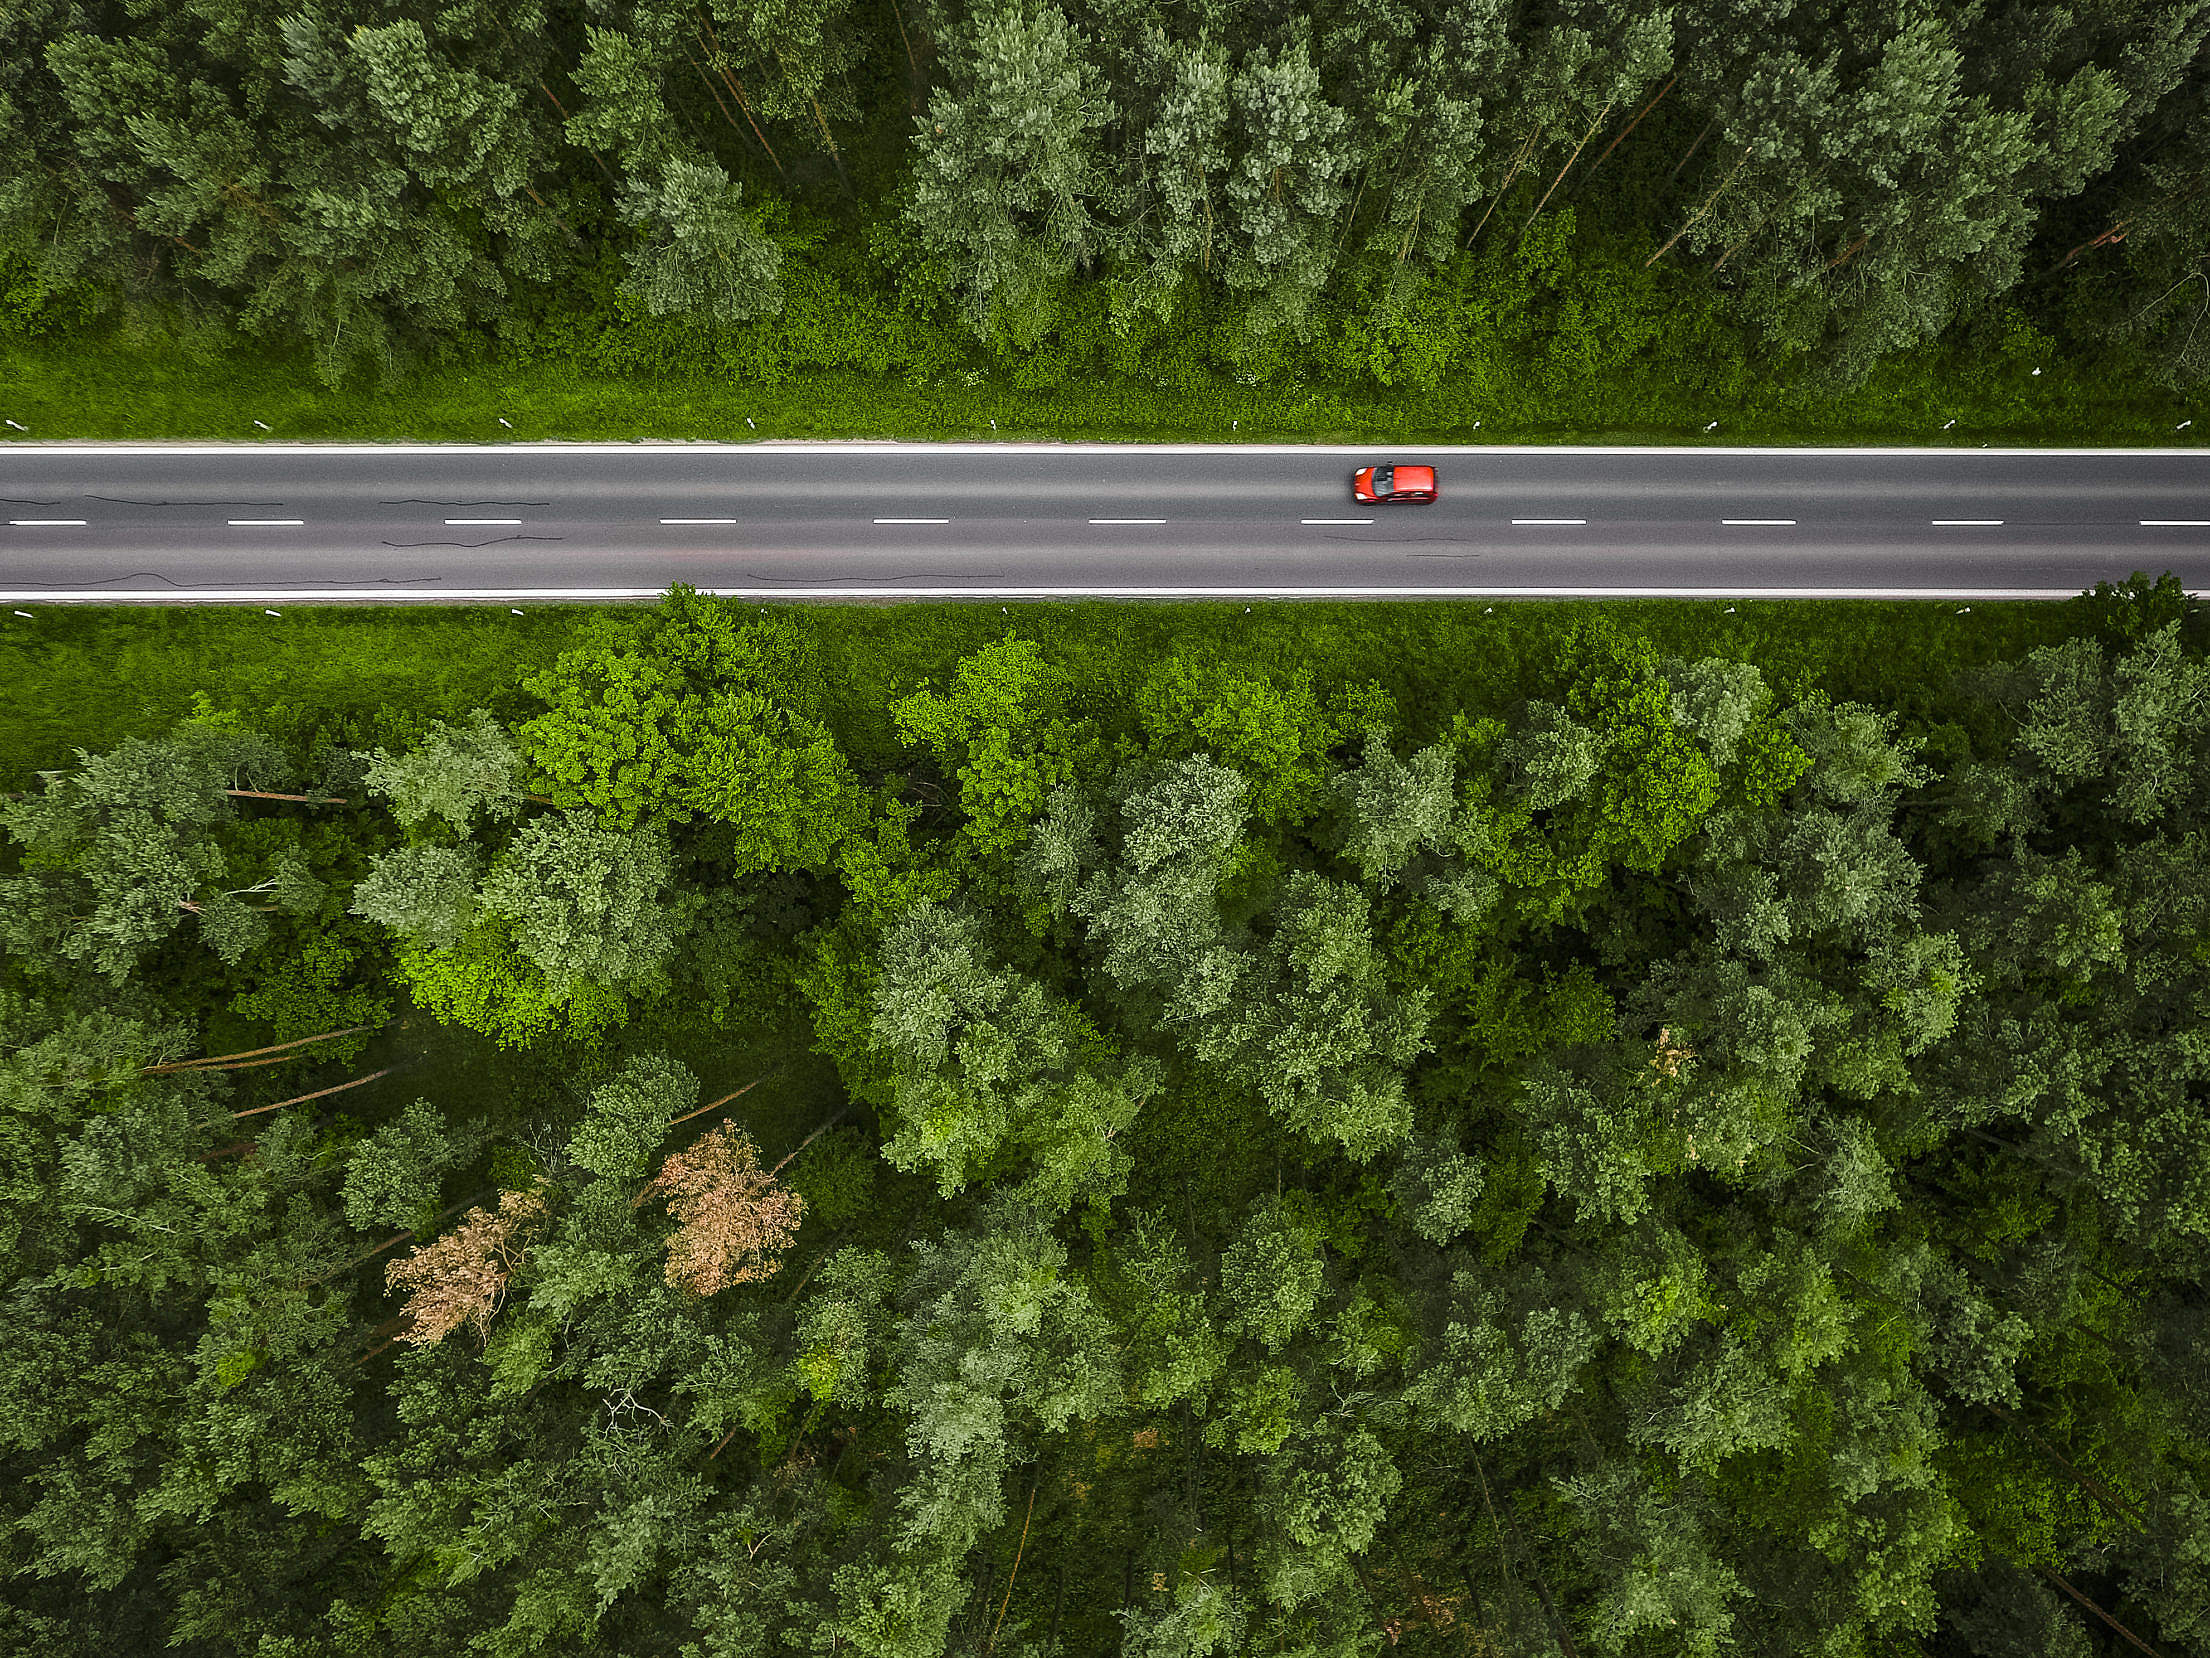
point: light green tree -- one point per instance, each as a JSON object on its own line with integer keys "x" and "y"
{"x": 1272, "y": 1276}
{"x": 452, "y": 772}
{"x": 985, "y": 1065}
{"x": 423, "y": 892}
{"x": 392, "y": 1177}
{"x": 707, "y": 715}
{"x": 586, "y": 903}
{"x": 122, "y": 849}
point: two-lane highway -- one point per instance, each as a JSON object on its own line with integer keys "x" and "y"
{"x": 264, "y": 523}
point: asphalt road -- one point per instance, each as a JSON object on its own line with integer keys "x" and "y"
{"x": 271, "y": 523}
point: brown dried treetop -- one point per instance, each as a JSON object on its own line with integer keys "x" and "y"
{"x": 733, "y": 1221}
{"x": 460, "y": 1278}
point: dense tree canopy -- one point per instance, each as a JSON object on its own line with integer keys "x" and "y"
{"x": 1673, "y": 1163}
{"x": 1847, "y": 180}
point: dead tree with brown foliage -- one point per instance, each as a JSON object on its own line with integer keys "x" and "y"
{"x": 460, "y": 1278}
{"x": 733, "y": 1221}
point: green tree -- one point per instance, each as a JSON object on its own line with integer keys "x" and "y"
{"x": 424, "y": 892}
{"x": 586, "y": 904}
{"x": 1176, "y": 214}
{"x": 1328, "y": 1052}
{"x": 1007, "y": 169}
{"x": 393, "y": 1176}
{"x": 1498, "y": 1356}
{"x": 1272, "y": 733}
{"x": 1436, "y": 1186}
{"x": 453, "y": 773}
{"x": 1659, "y": 1569}
{"x": 1430, "y": 135}
{"x": 120, "y": 851}
{"x": 700, "y": 255}
{"x": 705, "y": 716}
{"x": 843, "y": 1325}
{"x": 985, "y": 1064}
{"x": 359, "y": 183}
{"x": 998, "y": 728}
{"x": 1172, "y": 1345}
{"x": 1885, "y": 178}
{"x": 800, "y": 53}
{"x": 1321, "y": 1509}
{"x": 628, "y": 1117}
{"x": 1272, "y": 1276}
{"x": 1293, "y": 152}
{"x": 1394, "y": 809}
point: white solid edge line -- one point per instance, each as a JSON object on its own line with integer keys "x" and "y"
{"x": 913, "y": 520}
{"x": 476, "y": 521}
{"x": 265, "y": 523}
{"x": 1966, "y": 523}
{"x": 698, "y": 520}
{"x": 1127, "y": 520}
{"x": 1745, "y": 522}
{"x": 1549, "y": 520}
{"x": 46, "y": 523}
{"x": 849, "y": 446}
{"x": 2175, "y": 523}
{"x": 508, "y": 594}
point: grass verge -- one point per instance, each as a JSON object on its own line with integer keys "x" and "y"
{"x": 94, "y": 389}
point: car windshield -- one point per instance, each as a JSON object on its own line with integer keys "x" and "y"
{"x": 1385, "y": 478}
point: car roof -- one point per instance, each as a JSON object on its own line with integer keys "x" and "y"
{"x": 1415, "y": 476}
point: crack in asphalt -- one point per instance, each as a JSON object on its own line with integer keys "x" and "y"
{"x": 493, "y": 542}
{"x": 181, "y": 586}
{"x": 1398, "y": 540}
{"x": 125, "y": 501}
{"x": 25, "y": 501}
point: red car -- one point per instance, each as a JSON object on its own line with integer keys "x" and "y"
{"x": 1371, "y": 485}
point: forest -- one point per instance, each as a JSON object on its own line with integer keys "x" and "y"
{"x": 698, "y": 1142}
{"x": 1390, "y": 193}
